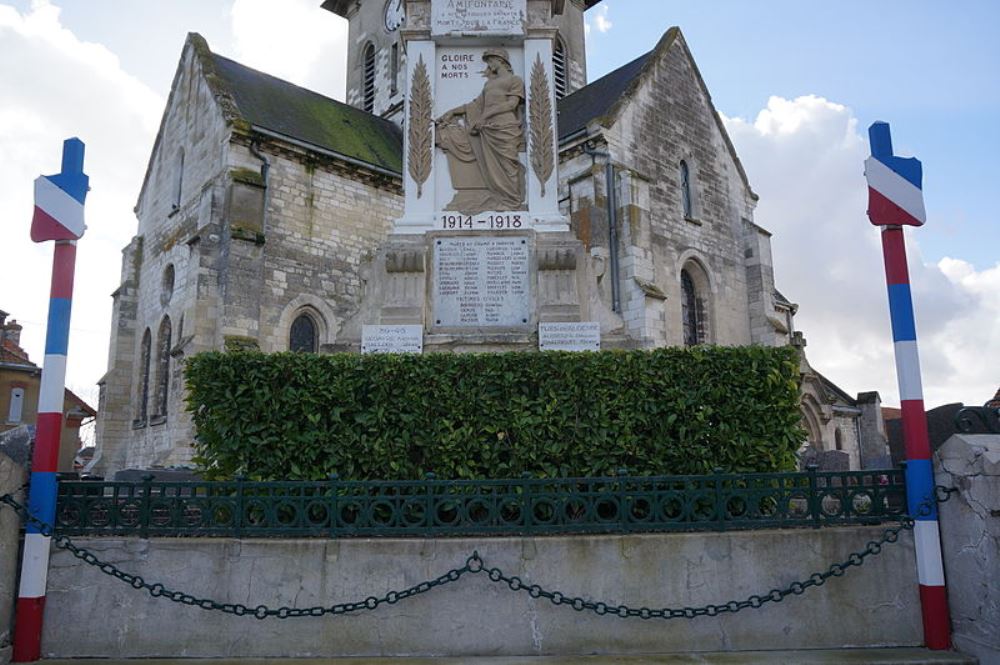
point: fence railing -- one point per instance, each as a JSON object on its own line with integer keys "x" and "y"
{"x": 431, "y": 507}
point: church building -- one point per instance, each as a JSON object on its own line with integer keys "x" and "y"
{"x": 275, "y": 218}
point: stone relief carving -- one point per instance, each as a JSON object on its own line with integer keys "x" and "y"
{"x": 540, "y": 115}
{"x": 482, "y": 140}
{"x": 420, "y": 155}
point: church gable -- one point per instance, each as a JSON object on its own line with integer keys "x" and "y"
{"x": 195, "y": 121}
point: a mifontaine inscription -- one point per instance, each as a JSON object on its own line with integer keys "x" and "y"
{"x": 481, "y": 282}
{"x": 478, "y": 17}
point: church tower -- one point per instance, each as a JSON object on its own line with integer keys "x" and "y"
{"x": 376, "y": 58}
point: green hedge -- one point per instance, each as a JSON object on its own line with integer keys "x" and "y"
{"x": 501, "y": 415}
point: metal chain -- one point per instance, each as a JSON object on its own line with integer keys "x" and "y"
{"x": 476, "y": 565}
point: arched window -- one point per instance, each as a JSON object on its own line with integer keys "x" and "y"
{"x": 179, "y": 180}
{"x": 162, "y": 366}
{"x": 142, "y": 394}
{"x": 695, "y": 292}
{"x": 689, "y": 309}
{"x": 368, "y": 79}
{"x": 838, "y": 439}
{"x": 686, "y": 200}
{"x": 559, "y": 68}
{"x": 167, "y": 285}
{"x": 302, "y": 338}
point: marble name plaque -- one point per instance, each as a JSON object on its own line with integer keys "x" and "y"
{"x": 392, "y": 339}
{"x": 481, "y": 282}
{"x": 583, "y": 336}
{"x": 478, "y": 17}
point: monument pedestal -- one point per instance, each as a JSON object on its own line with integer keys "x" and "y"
{"x": 470, "y": 291}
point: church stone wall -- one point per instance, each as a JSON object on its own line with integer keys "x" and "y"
{"x": 324, "y": 222}
{"x": 672, "y": 106}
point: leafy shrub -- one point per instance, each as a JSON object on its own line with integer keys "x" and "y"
{"x": 498, "y": 415}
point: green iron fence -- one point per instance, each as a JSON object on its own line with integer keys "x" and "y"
{"x": 431, "y": 507}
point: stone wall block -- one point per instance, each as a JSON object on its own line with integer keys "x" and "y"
{"x": 970, "y": 538}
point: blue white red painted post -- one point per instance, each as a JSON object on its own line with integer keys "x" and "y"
{"x": 58, "y": 216}
{"x": 895, "y": 199}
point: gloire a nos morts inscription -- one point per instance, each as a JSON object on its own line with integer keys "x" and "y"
{"x": 481, "y": 282}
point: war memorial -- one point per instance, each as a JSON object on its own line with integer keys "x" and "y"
{"x": 486, "y": 365}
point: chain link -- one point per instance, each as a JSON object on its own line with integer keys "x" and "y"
{"x": 475, "y": 565}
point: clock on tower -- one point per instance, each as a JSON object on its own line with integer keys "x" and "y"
{"x": 395, "y": 14}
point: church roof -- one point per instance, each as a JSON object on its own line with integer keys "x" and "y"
{"x": 269, "y": 103}
{"x": 596, "y": 99}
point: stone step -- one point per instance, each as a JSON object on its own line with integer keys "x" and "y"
{"x": 894, "y": 656}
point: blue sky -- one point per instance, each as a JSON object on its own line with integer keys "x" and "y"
{"x": 797, "y": 84}
{"x": 930, "y": 69}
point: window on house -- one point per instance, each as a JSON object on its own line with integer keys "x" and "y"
{"x": 559, "y": 68}
{"x": 162, "y": 366}
{"x": 16, "y": 405}
{"x": 394, "y": 68}
{"x": 686, "y": 200}
{"x": 142, "y": 407}
{"x": 368, "y": 79}
{"x": 302, "y": 337}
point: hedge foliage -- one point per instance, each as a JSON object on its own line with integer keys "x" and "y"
{"x": 500, "y": 415}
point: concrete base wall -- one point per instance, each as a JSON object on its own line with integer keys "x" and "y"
{"x": 90, "y": 614}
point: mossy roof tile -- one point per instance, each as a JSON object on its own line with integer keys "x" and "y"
{"x": 304, "y": 115}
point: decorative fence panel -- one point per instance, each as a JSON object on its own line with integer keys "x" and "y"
{"x": 527, "y": 506}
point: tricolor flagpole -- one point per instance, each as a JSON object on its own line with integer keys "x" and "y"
{"x": 895, "y": 199}
{"x": 58, "y": 216}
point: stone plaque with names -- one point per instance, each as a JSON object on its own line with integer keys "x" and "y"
{"x": 481, "y": 282}
{"x": 392, "y": 339}
{"x": 583, "y": 336}
{"x": 478, "y": 17}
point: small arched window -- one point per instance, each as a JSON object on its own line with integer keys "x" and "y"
{"x": 162, "y": 366}
{"x": 179, "y": 180}
{"x": 142, "y": 394}
{"x": 559, "y": 68}
{"x": 689, "y": 310}
{"x": 686, "y": 200}
{"x": 838, "y": 439}
{"x": 303, "y": 336}
{"x": 368, "y": 78}
{"x": 167, "y": 285}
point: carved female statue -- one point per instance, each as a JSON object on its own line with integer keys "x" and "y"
{"x": 483, "y": 147}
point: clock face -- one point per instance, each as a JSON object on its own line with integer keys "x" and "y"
{"x": 395, "y": 13}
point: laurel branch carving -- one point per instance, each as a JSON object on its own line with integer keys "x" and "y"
{"x": 540, "y": 117}
{"x": 420, "y": 154}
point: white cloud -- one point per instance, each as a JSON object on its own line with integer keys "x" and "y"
{"x": 293, "y": 40}
{"x": 805, "y": 160}
{"x": 56, "y": 86}
{"x": 600, "y": 21}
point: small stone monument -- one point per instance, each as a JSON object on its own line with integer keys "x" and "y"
{"x": 481, "y": 255}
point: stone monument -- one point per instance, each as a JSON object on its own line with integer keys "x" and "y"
{"x": 481, "y": 255}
